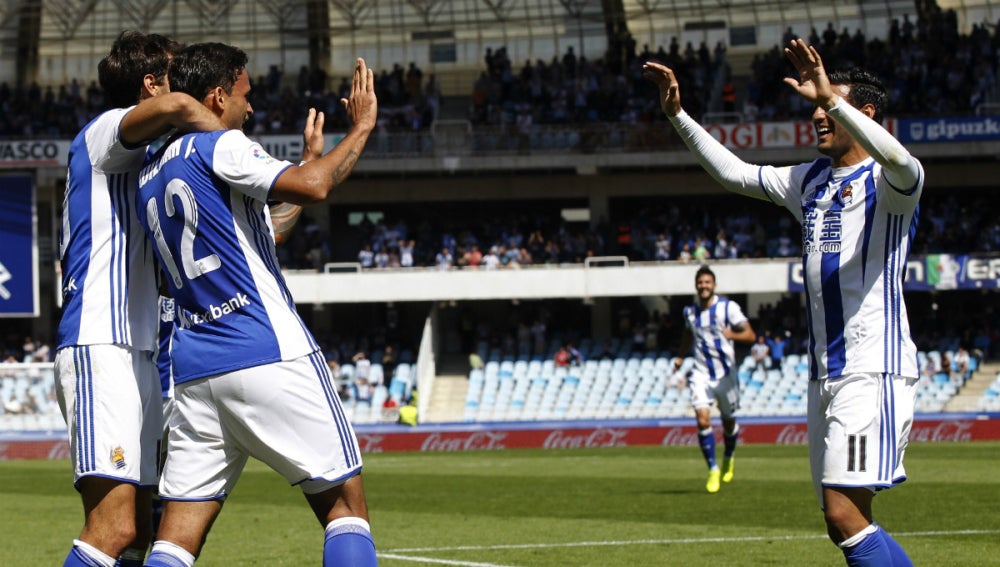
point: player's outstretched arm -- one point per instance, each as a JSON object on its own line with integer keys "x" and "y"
{"x": 155, "y": 116}
{"x": 900, "y": 168}
{"x": 284, "y": 216}
{"x": 313, "y": 181}
{"x": 730, "y": 171}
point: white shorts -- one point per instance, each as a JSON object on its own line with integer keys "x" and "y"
{"x": 859, "y": 426}
{"x": 286, "y": 414}
{"x": 724, "y": 391}
{"x": 111, "y": 400}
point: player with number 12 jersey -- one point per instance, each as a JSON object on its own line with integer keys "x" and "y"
{"x": 214, "y": 238}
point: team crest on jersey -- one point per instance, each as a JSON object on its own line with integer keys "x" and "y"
{"x": 260, "y": 154}
{"x": 118, "y": 457}
{"x": 846, "y": 196}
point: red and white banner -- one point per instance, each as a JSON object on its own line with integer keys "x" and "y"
{"x": 570, "y": 435}
{"x": 771, "y": 134}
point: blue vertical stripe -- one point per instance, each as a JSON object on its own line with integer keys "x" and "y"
{"x": 703, "y": 344}
{"x": 870, "y": 206}
{"x": 833, "y": 305}
{"x": 893, "y": 447}
{"x": 348, "y": 443}
{"x": 115, "y": 315}
{"x": 892, "y": 325}
{"x": 814, "y": 362}
{"x": 85, "y": 450}
{"x": 119, "y": 259}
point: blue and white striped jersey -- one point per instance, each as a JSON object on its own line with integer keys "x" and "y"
{"x": 856, "y": 235}
{"x": 203, "y": 202}
{"x": 108, "y": 272}
{"x": 714, "y": 355}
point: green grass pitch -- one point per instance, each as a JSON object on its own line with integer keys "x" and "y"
{"x": 615, "y": 506}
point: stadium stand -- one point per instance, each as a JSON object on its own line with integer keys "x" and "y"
{"x": 554, "y": 105}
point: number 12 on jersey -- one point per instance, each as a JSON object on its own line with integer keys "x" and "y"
{"x": 193, "y": 267}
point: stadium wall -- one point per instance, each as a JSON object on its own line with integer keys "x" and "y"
{"x": 929, "y": 428}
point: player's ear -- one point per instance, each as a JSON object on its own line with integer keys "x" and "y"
{"x": 868, "y": 110}
{"x": 150, "y": 86}
{"x": 215, "y": 99}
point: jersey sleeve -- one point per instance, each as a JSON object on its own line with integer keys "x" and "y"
{"x": 107, "y": 154}
{"x": 245, "y": 166}
{"x": 902, "y": 176}
{"x": 783, "y": 186}
{"x": 735, "y": 314}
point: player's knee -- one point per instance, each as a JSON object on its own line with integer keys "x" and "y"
{"x": 838, "y": 521}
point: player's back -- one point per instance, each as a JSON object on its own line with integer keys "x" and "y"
{"x": 108, "y": 278}
{"x": 203, "y": 202}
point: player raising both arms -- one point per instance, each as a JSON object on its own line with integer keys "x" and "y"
{"x": 858, "y": 210}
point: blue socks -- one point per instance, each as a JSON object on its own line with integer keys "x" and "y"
{"x": 85, "y": 555}
{"x": 899, "y": 557}
{"x": 166, "y": 554}
{"x": 706, "y": 439}
{"x": 873, "y": 547}
{"x": 349, "y": 542}
{"x": 730, "y": 441}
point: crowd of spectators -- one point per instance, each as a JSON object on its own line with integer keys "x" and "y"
{"x": 929, "y": 67}
{"x": 685, "y": 229}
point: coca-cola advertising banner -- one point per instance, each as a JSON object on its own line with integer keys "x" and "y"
{"x": 571, "y": 435}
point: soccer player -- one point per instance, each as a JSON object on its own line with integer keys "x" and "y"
{"x": 249, "y": 378}
{"x": 710, "y": 327}
{"x": 858, "y": 210}
{"x": 105, "y": 377}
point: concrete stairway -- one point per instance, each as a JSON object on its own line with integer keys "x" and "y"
{"x": 972, "y": 391}
{"x": 448, "y": 401}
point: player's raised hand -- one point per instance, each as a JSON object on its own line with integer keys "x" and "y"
{"x": 362, "y": 106}
{"x": 812, "y": 84}
{"x": 312, "y": 135}
{"x": 670, "y": 92}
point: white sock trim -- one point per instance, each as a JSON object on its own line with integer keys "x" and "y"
{"x": 706, "y": 432}
{"x": 96, "y": 554}
{"x": 174, "y": 550}
{"x": 856, "y": 538}
{"x": 348, "y": 521}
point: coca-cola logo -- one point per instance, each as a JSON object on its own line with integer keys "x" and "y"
{"x": 370, "y": 443}
{"x": 942, "y": 431}
{"x": 560, "y": 439}
{"x": 477, "y": 440}
{"x": 59, "y": 450}
{"x": 680, "y": 437}
{"x": 793, "y": 434}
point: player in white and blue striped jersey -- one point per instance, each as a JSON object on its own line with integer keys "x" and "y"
{"x": 249, "y": 378}
{"x": 858, "y": 209}
{"x": 106, "y": 380}
{"x": 710, "y": 327}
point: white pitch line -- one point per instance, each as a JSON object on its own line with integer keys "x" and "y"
{"x": 436, "y": 561}
{"x": 665, "y": 541}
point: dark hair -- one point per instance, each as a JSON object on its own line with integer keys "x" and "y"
{"x": 133, "y": 56}
{"x": 704, "y": 270}
{"x": 199, "y": 68}
{"x": 866, "y": 88}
